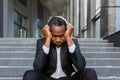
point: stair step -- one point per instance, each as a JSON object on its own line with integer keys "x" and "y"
{"x": 33, "y": 43}
{"x": 16, "y": 61}
{"x": 106, "y": 70}
{"x": 101, "y": 54}
{"x": 17, "y": 44}
{"x": 10, "y": 78}
{"x": 103, "y": 61}
{"x": 18, "y": 39}
{"x": 109, "y": 78}
{"x": 93, "y": 41}
{"x": 100, "y": 78}
{"x": 96, "y": 44}
{"x": 13, "y": 71}
{"x": 17, "y": 48}
{"x": 34, "y": 39}
{"x": 28, "y": 54}
{"x": 83, "y": 49}
{"x": 100, "y": 49}
{"x": 17, "y": 54}
{"x": 25, "y": 44}
{"x": 90, "y": 61}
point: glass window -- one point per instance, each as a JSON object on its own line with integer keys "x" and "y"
{"x": 96, "y": 19}
{"x": 24, "y": 2}
{"x": 20, "y": 25}
{"x": 16, "y": 17}
{"x": 97, "y": 28}
{"x": 23, "y": 32}
{"x": 16, "y": 29}
{"x": 98, "y": 2}
{"x": 23, "y": 21}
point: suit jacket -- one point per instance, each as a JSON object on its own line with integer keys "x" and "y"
{"x": 46, "y": 63}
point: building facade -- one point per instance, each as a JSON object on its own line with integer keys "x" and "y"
{"x": 18, "y": 18}
{"x": 90, "y": 18}
{"x": 102, "y": 18}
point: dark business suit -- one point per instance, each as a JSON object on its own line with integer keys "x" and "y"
{"x": 46, "y": 63}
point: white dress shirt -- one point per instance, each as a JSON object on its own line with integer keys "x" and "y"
{"x": 59, "y": 71}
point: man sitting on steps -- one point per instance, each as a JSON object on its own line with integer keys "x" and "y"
{"x": 58, "y": 55}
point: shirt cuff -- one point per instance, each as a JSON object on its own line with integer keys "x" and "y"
{"x": 45, "y": 49}
{"x": 72, "y": 48}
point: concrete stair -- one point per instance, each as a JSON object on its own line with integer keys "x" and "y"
{"x": 17, "y": 55}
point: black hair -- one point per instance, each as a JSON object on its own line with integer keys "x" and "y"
{"x": 57, "y": 22}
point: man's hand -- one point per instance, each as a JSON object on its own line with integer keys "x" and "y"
{"x": 69, "y": 31}
{"x": 68, "y": 34}
{"x": 47, "y": 34}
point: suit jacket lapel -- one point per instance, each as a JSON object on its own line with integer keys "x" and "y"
{"x": 54, "y": 55}
{"x": 63, "y": 53}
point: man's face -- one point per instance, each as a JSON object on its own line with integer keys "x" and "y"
{"x": 58, "y": 34}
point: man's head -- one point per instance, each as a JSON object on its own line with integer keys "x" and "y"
{"x": 57, "y": 27}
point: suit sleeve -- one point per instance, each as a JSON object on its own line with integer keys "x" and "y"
{"x": 78, "y": 59}
{"x": 40, "y": 57}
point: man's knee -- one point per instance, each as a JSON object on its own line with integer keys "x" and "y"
{"x": 30, "y": 75}
{"x": 90, "y": 70}
{"x": 90, "y": 74}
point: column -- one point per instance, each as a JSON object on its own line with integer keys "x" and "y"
{"x": 76, "y": 18}
{"x": 71, "y": 12}
{"x": 9, "y": 18}
{"x": 5, "y": 20}
{"x": 33, "y": 18}
{"x": 68, "y": 10}
{"x": 104, "y": 19}
{"x": 1, "y": 18}
{"x": 82, "y": 19}
{"x": 111, "y": 17}
{"x": 90, "y": 15}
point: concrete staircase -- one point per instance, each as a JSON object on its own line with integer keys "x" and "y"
{"x": 17, "y": 55}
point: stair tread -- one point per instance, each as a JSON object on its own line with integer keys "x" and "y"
{"x": 111, "y": 67}
{"x": 10, "y": 77}
{"x": 35, "y": 47}
{"x": 108, "y": 77}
